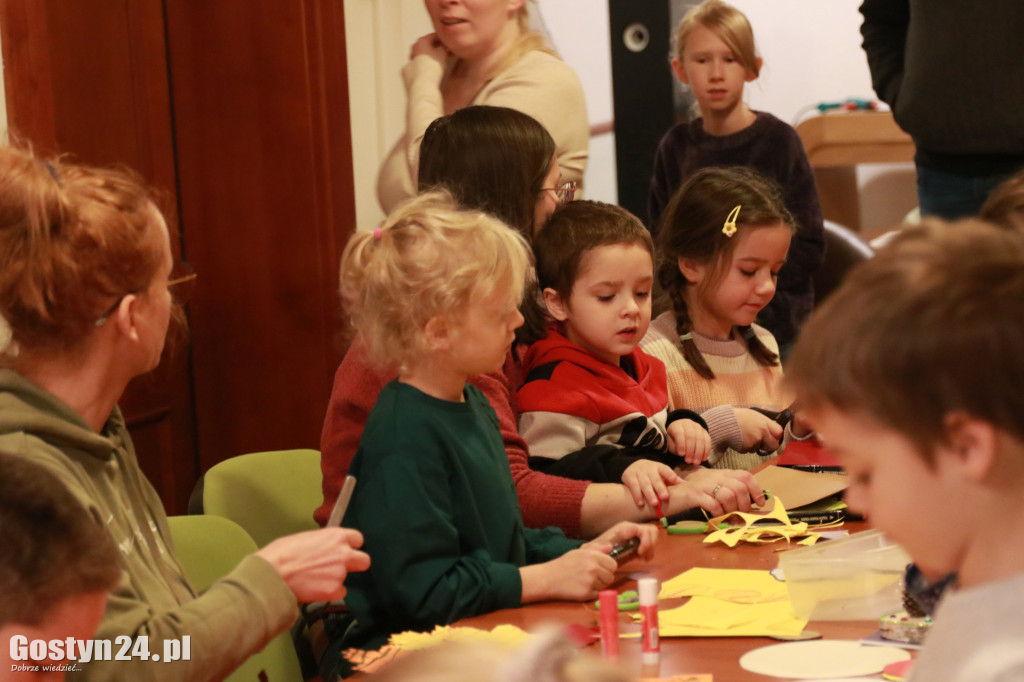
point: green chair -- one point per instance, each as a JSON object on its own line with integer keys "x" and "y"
{"x": 210, "y": 547}
{"x": 269, "y": 494}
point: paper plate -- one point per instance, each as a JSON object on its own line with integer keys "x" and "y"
{"x": 828, "y": 658}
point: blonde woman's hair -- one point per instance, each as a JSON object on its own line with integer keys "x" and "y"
{"x": 529, "y": 40}
{"x": 728, "y": 23}
{"x": 546, "y": 657}
{"x": 429, "y": 258}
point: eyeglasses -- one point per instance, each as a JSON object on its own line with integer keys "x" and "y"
{"x": 180, "y": 283}
{"x": 564, "y": 192}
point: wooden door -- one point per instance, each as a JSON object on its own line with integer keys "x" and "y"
{"x": 89, "y": 79}
{"x": 265, "y": 180}
{"x": 239, "y": 111}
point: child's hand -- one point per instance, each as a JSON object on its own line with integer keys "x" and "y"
{"x": 759, "y": 432}
{"x": 577, "y": 575}
{"x": 623, "y": 531}
{"x": 647, "y": 481}
{"x": 689, "y": 440}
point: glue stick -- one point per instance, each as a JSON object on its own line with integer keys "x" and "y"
{"x": 609, "y": 600}
{"x": 651, "y": 645}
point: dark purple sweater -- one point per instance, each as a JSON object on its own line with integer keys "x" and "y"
{"x": 772, "y": 148}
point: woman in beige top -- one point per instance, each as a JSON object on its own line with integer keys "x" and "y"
{"x": 483, "y": 52}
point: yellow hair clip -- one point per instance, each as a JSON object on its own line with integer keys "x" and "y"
{"x": 729, "y": 228}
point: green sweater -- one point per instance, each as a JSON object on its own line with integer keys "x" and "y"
{"x": 237, "y": 616}
{"x": 437, "y": 506}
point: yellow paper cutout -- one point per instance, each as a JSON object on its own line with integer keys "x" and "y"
{"x": 738, "y": 585}
{"x": 748, "y": 532}
{"x": 371, "y": 661}
{"x": 501, "y": 634}
{"x": 710, "y": 617}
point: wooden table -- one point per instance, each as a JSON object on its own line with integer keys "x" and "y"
{"x": 679, "y": 655}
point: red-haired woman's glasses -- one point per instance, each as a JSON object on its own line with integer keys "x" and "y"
{"x": 564, "y": 192}
{"x": 180, "y": 283}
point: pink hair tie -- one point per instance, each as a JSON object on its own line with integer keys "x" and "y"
{"x": 376, "y": 233}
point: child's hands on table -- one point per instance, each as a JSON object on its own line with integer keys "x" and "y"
{"x": 648, "y": 481}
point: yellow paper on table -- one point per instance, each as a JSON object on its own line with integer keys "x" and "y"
{"x": 710, "y": 617}
{"x": 742, "y": 586}
{"x": 372, "y": 661}
{"x": 501, "y": 634}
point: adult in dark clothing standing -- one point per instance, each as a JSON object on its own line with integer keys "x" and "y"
{"x": 961, "y": 103}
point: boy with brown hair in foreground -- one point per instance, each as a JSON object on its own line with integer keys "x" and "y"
{"x": 912, "y": 374}
{"x": 56, "y": 567}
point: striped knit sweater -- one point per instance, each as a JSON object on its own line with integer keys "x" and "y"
{"x": 739, "y": 382}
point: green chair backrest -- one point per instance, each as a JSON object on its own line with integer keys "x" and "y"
{"x": 209, "y": 547}
{"x": 269, "y": 494}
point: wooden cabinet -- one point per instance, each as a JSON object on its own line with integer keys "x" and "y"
{"x": 238, "y": 111}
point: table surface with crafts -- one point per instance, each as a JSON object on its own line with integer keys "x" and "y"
{"x": 680, "y": 656}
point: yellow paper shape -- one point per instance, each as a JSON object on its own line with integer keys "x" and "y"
{"x": 502, "y": 634}
{"x": 371, "y": 661}
{"x": 739, "y": 585}
{"x": 710, "y": 617}
{"x": 748, "y": 532}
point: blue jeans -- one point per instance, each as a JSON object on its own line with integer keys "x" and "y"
{"x": 951, "y": 196}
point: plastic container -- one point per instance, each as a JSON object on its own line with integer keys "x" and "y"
{"x": 854, "y": 578}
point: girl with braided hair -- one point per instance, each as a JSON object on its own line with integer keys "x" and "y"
{"x": 724, "y": 239}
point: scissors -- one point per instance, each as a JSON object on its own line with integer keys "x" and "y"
{"x": 782, "y": 418}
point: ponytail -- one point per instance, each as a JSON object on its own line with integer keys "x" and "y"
{"x": 673, "y": 283}
{"x": 756, "y": 348}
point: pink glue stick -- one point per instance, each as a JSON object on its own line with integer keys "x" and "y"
{"x": 651, "y": 645}
{"x": 609, "y": 600}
